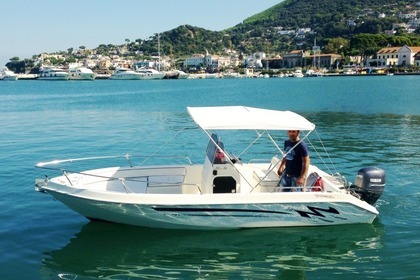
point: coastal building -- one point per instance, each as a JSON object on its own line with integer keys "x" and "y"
{"x": 406, "y": 55}
{"x": 219, "y": 62}
{"x": 295, "y": 58}
{"x": 387, "y": 56}
{"x": 417, "y": 59}
{"x": 325, "y": 60}
{"x": 396, "y": 56}
{"x": 194, "y": 61}
{"x": 215, "y": 62}
{"x": 273, "y": 63}
{"x": 255, "y": 60}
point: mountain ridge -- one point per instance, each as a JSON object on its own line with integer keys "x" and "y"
{"x": 327, "y": 19}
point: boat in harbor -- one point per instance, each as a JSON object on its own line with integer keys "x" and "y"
{"x": 125, "y": 74}
{"x": 176, "y": 74}
{"x": 8, "y": 75}
{"x": 182, "y": 75}
{"x": 227, "y": 190}
{"x": 81, "y": 73}
{"x": 298, "y": 73}
{"x": 52, "y": 73}
{"x": 232, "y": 75}
{"x": 150, "y": 74}
{"x": 314, "y": 73}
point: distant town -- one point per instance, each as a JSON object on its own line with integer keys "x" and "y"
{"x": 297, "y": 63}
{"x": 123, "y": 61}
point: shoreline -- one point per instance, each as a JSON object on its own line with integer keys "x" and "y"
{"x": 30, "y": 77}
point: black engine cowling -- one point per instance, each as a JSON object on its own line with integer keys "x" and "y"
{"x": 369, "y": 184}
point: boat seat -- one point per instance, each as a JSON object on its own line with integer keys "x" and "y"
{"x": 266, "y": 180}
{"x": 266, "y": 176}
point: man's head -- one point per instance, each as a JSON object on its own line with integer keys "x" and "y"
{"x": 293, "y": 135}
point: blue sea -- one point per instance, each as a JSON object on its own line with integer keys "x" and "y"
{"x": 364, "y": 121}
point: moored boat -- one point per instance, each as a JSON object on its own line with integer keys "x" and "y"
{"x": 298, "y": 73}
{"x": 125, "y": 74}
{"x": 228, "y": 190}
{"x": 81, "y": 73}
{"x": 150, "y": 74}
{"x": 176, "y": 74}
{"x": 52, "y": 73}
{"x": 314, "y": 73}
{"x": 8, "y": 75}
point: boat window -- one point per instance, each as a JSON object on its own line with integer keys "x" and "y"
{"x": 214, "y": 154}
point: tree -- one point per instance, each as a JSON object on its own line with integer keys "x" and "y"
{"x": 336, "y": 45}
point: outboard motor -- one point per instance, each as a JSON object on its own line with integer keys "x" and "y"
{"x": 369, "y": 184}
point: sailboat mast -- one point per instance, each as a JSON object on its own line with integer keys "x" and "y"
{"x": 158, "y": 52}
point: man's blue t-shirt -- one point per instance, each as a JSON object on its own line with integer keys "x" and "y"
{"x": 294, "y": 158}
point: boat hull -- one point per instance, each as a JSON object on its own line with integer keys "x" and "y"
{"x": 152, "y": 77}
{"x": 126, "y": 77}
{"x": 83, "y": 76}
{"x": 224, "y": 211}
{"x": 55, "y": 78}
{"x": 9, "y": 78}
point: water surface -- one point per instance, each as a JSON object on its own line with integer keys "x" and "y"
{"x": 363, "y": 121}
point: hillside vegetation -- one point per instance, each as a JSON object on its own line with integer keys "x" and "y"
{"x": 327, "y": 19}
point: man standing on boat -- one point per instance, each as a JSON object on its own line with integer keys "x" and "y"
{"x": 294, "y": 165}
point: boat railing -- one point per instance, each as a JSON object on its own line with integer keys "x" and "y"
{"x": 132, "y": 160}
{"x": 129, "y": 179}
{"x": 259, "y": 160}
{"x": 162, "y": 183}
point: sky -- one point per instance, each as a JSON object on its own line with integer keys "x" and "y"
{"x": 31, "y": 27}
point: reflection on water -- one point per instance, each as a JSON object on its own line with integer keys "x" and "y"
{"x": 110, "y": 251}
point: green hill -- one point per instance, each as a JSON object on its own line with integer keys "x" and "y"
{"x": 337, "y": 25}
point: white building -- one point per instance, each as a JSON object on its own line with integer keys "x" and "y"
{"x": 194, "y": 61}
{"x": 255, "y": 60}
{"x": 397, "y": 56}
{"x": 207, "y": 60}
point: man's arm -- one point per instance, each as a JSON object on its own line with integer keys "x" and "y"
{"x": 305, "y": 167}
{"x": 282, "y": 166}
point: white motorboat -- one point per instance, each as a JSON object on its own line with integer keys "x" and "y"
{"x": 150, "y": 74}
{"x": 226, "y": 191}
{"x": 314, "y": 73}
{"x": 232, "y": 75}
{"x": 81, "y": 73}
{"x": 213, "y": 76}
{"x": 182, "y": 74}
{"x": 298, "y": 73}
{"x": 125, "y": 74}
{"x": 176, "y": 74}
{"x": 8, "y": 75}
{"x": 52, "y": 73}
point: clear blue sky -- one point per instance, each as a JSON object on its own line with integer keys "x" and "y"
{"x": 34, "y": 26}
